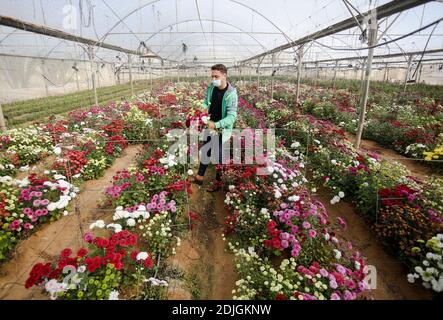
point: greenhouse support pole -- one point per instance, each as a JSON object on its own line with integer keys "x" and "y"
{"x": 371, "y": 43}
{"x": 2, "y": 120}
{"x": 407, "y": 72}
{"x": 316, "y": 73}
{"x": 335, "y": 74}
{"x": 362, "y": 73}
{"x": 300, "y": 58}
{"x": 130, "y": 74}
{"x": 385, "y": 76}
{"x": 272, "y": 77}
{"x": 91, "y": 60}
{"x": 361, "y": 78}
{"x": 258, "y": 80}
{"x": 150, "y": 76}
{"x": 419, "y": 73}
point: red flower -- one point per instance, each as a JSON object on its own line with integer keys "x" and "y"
{"x": 82, "y": 252}
{"x": 280, "y": 297}
{"x": 66, "y": 253}
{"x": 148, "y": 263}
{"x": 134, "y": 255}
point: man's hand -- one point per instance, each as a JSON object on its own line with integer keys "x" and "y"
{"x": 211, "y": 125}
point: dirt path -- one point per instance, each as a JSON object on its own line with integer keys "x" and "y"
{"x": 391, "y": 274}
{"x": 47, "y": 242}
{"x": 208, "y": 267}
{"x": 417, "y": 168}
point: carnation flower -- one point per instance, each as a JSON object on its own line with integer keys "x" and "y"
{"x": 142, "y": 256}
{"x": 113, "y": 295}
{"x": 130, "y": 222}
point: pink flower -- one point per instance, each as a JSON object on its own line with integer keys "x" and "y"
{"x": 27, "y": 211}
{"x": 306, "y": 225}
{"x": 333, "y": 284}
{"x": 335, "y": 296}
{"x": 284, "y": 236}
{"x": 341, "y": 222}
{"x": 295, "y": 250}
{"x": 323, "y": 272}
{"x": 349, "y": 295}
{"x": 27, "y": 226}
{"x": 44, "y": 202}
{"x": 284, "y": 244}
{"x": 312, "y": 233}
{"x": 15, "y": 224}
{"x": 88, "y": 237}
{"x": 341, "y": 269}
{"x": 36, "y": 203}
{"x": 361, "y": 286}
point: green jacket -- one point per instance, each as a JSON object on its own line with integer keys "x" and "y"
{"x": 229, "y": 110}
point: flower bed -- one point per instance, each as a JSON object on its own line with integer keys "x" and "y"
{"x": 400, "y": 208}
{"x": 149, "y": 201}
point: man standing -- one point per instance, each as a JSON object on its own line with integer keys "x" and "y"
{"x": 221, "y": 99}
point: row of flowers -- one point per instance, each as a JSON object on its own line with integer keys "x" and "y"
{"x": 285, "y": 244}
{"x": 127, "y": 256}
{"x": 410, "y": 123}
{"x": 83, "y": 146}
{"x": 401, "y": 208}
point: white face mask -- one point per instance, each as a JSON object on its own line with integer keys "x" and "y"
{"x": 216, "y": 83}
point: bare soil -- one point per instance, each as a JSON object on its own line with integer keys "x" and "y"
{"x": 209, "y": 268}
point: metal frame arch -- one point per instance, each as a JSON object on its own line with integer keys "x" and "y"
{"x": 206, "y": 20}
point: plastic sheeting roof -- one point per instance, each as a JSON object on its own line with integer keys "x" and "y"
{"x": 206, "y": 31}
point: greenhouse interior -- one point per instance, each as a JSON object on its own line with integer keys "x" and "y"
{"x": 325, "y": 122}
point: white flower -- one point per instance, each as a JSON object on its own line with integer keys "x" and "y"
{"x": 337, "y": 254}
{"x": 341, "y": 194}
{"x": 294, "y": 198}
{"x": 335, "y": 200}
{"x": 57, "y": 150}
{"x": 295, "y": 145}
{"x": 190, "y": 172}
{"x": 334, "y": 162}
{"x": 130, "y": 222}
{"x": 142, "y": 256}
{"x": 113, "y": 295}
{"x": 231, "y": 187}
{"x": 277, "y": 194}
{"x": 54, "y": 287}
{"x": 98, "y": 224}
{"x": 117, "y": 227}
{"x": 81, "y": 269}
{"x": 411, "y": 278}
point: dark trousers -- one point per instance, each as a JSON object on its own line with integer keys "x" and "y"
{"x": 202, "y": 167}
